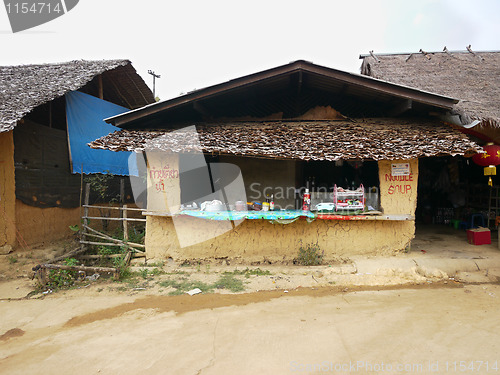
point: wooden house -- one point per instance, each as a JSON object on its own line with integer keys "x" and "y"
{"x": 294, "y": 126}
{"x": 39, "y": 196}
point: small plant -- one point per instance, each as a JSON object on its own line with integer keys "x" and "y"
{"x": 248, "y": 272}
{"x": 176, "y": 272}
{"x": 62, "y": 278}
{"x": 156, "y": 271}
{"x": 71, "y": 261}
{"x": 310, "y": 254}
{"x": 183, "y": 285}
{"x": 229, "y": 282}
{"x": 12, "y": 259}
{"x": 74, "y": 228}
{"x": 155, "y": 264}
{"x": 123, "y": 269}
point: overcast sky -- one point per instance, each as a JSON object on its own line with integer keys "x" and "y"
{"x": 194, "y": 44}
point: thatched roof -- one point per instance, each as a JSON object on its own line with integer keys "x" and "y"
{"x": 24, "y": 87}
{"x": 305, "y": 140}
{"x": 473, "y": 78}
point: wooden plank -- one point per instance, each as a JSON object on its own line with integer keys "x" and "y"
{"x": 112, "y": 218}
{"x": 115, "y": 208}
{"x": 111, "y": 238}
{"x": 122, "y": 195}
{"x": 106, "y": 237}
{"x": 114, "y": 271}
{"x": 125, "y": 224}
{"x": 126, "y": 260}
{"x": 101, "y": 243}
{"x": 85, "y": 214}
{"x": 67, "y": 255}
{"x": 114, "y": 240}
{"x": 97, "y": 256}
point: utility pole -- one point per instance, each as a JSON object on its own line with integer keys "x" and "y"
{"x": 154, "y": 79}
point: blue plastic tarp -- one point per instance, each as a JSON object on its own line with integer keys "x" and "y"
{"x": 85, "y": 114}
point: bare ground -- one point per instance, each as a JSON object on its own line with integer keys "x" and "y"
{"x": 287, "y": 319}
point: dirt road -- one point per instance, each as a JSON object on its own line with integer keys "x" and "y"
{"x": 422, "y": 330}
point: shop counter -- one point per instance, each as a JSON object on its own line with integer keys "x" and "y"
{"x": 279, "y": 216}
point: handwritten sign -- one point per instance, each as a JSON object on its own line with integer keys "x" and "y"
{"x": 163, "y": 173}
{"x": 159, "y": 175}
{"x": 400, "y": 169}
{"x": 398, "y": 185}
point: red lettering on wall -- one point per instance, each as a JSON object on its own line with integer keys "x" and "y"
{"x": 391, "y": 178}
{"x": 401, "y": 189}
{"x": 163, "y": 173}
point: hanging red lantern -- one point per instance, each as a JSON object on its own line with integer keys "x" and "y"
{"x": 488, "y": 159}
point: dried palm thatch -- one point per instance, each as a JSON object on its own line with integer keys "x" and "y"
{"x": 374, "y": 139}
{"x": 473, "y": 78}
{"x": 24, "y": 87}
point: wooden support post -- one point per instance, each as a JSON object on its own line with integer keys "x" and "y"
{"x": 127, "y": 258}
{"x": 125, "y": 223}
{"x": 122, "y": 194}
{"x": 85, "y": 216}
{"x": 100, "y": 87}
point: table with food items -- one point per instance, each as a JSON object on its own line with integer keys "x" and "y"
{"x": 347, "y": 204}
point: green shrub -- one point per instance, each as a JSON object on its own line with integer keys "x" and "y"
{"x": 62, "y": 278}
{"x": 310, "y": 254}
{"x": 229, "y": 282}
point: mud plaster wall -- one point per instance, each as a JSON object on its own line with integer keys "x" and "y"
{"x": 41, "y": 225}
{"x": 398, "y": 195}
{"x": 7, "y": 190}
{"x": 263, "y": 177}
{"x": 259, "y": 240}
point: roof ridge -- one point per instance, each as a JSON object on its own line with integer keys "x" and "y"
{"x": 66, "y": 63}
{"x": 428, "y": 52}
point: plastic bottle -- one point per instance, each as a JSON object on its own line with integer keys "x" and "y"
{"x": 271, "y": 203}
{"x": 306, "y": 206}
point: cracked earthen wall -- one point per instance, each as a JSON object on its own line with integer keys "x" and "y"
{"x": 259, "y": 240}
{"x": 7, "y": 190}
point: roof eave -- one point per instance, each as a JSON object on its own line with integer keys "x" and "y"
{"x": 300, "y": 65}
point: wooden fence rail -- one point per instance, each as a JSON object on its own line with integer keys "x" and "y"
{"x": 88, "y": 233}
